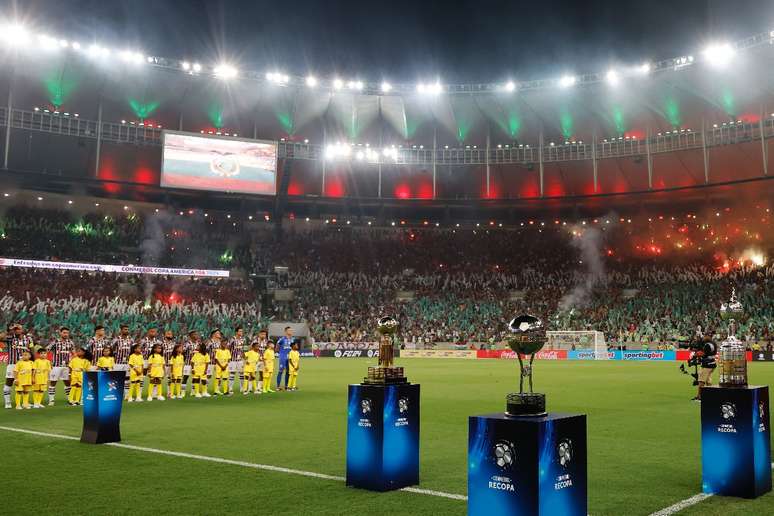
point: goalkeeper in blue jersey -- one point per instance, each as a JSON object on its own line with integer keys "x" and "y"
{"x": 284, "y": 346}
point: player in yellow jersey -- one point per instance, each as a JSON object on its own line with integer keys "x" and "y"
{"x": 222, "y": 358}
{"x": 199, "y": 362}
{"x": 78, "y": 364}
{"x": 22, "y": 379}
{"x": 136, "y": 374}
{"x": 250, "y": 382}
{"x": 176, "y": 366}
{"x": 294, "y": 364}
{"x": 268, "y": 367}
{"x": 106, "y": 362}
{"x": 42, "y": 368}
{"x": 156, "y": 367}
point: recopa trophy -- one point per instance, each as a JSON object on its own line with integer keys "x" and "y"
{"x": 386, "y": 372}
{"x": 528, "y": 335}
{"x": 733, "y": 359}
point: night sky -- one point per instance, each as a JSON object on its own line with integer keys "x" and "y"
{"x": 458, "y": 41}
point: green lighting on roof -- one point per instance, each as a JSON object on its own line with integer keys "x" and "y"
{"x": 729, "y": 102}
{"x": 618, "y": 120}
{"x": 215, "y": 114}
{"x": 566, "y": 123}
{"x": 673, "y": 112}
{"x": 58, "y": 88}
{"x": 143, "y": 110}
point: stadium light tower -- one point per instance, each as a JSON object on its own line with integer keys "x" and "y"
{"x": 719, "y": 54}
{"x": 386, "y": 87}
{"x": 338, "y": 84}
{"x": 510, "y": 86}
{"x": 311, "y": 81}
{"x": 612, "y": 78}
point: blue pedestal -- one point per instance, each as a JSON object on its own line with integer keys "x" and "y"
{"x": 103, "y": 392}
{"x": 383, "y": 436}
{"x": 527, "y": 465}
{"x": 735, "y": 441}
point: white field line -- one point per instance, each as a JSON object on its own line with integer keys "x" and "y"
{"x": 218, "y": 460}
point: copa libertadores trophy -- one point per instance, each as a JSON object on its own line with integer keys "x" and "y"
{"x": 735, "y": 432}
{"x": 527, "y": 337}
{"x": 386, "y": 372}
{"x": 733, "y": 359}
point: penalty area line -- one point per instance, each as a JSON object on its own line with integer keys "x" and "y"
{"x": 231, "y": 462}
{"x": 684, "y": 504}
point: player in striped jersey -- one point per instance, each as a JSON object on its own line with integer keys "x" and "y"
{"x": 237, "y": 363}
{"x": 62, "y": 349}
{"x": 167, "y": 347}
{"x": 212, "y": 347}
{"x": 262, "y": 340}
{"x": 190, "y": 346}
{"x": 17, "y": 343}
{"x": 122, "y": 348}
{"x": 97, "y": 343}
{"x": 151, "y": 339}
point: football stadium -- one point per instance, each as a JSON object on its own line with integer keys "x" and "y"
{"x": 408, "y": 258}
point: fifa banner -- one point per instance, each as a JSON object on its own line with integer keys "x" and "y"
{"x": 438, "y": 353}
{"x": 120, "y": 269}
{"x": 736, "y": 441}
{"x": 527, "y": 465}
{"x": 383, "y": 436}
{"x": 353, "y": 353}
{"x": 103, "y": 392}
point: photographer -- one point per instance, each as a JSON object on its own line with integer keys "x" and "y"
{"x": 706, "y": 356}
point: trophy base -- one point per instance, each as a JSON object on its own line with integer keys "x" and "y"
{"x": 525, "y": 404}
{"x": 385, "y": 376}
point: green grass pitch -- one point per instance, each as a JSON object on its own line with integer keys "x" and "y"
{"x": 644, "y": 444}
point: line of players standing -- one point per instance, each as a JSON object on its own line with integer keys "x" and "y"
{"x": 29, "y": 369}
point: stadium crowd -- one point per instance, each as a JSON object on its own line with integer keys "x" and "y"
{"x": 458, "y": 286}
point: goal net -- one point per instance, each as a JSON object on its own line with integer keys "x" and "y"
{"x": 591, "y": 341}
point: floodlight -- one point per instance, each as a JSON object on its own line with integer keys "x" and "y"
{"x": 719, "y": 54}
{"x": 612, "y": 77}
{"x": 510, "y": 86}
{"x": 386, "y": 87}
{"x": 15, "y": 35}
{"x": 338, "y": 84}
{"x": 311, "y": 81}
{"x": 185, "y": 65}
{"x": 644, "y": 68}
{"x": 568, "y": 81}
{"x": 197, "y": 67}
{"x": 225, "y": 71}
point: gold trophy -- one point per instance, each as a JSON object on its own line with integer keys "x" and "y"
{"x": 386, "y": 372}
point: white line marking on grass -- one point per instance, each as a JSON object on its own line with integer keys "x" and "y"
{"x": 684, "y": 504}
{"x": 265, "y": 467}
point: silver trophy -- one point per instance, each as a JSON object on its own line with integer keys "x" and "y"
{"x": 733, "y": 355}
{"x": 527, "y": 337}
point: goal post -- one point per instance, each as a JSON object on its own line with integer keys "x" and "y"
{"x": 588, "y": 340}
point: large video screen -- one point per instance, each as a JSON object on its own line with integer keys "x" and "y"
{"x": 220, "y": 164}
